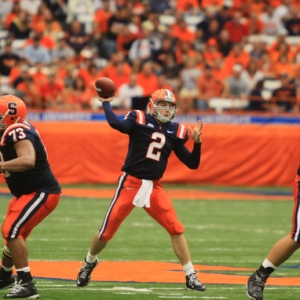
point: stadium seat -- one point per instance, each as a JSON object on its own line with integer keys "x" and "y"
{"x": 17, "y": 46}
{"x": 87, "y": 20}
{"x": 167, "y": 20}
{"x": 271, "y": 85}
{"x": 220, "y": 104}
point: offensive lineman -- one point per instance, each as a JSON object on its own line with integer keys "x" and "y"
{"x": 152, "y": 138}
{"x": 36, "y": 192}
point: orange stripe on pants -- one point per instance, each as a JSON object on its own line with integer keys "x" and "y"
{"x": 24, "y": 213}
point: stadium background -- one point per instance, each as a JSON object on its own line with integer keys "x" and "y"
{"x": 250, "y": 137}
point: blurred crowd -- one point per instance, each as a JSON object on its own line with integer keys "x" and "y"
{"x": 205, "y": 51}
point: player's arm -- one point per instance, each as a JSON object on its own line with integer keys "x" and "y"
{"x": 24, "y": 161}
{"x": 191, "y": 159}
{"x": 122, "y": 125}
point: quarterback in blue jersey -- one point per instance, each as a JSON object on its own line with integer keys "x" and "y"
{"x": 35, "y": 190}
{"x": 152, "y": 138}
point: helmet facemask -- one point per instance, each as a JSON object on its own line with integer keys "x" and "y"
{"x": 162, "y": 105}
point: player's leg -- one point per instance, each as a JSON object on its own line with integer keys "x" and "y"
{"x": 279, "y": 253}
{"x": 162, "y": 210}
{"x": 120, "y": 207}
{"x": 22, "y": 216}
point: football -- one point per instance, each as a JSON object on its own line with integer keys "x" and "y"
{"x": 105, "y": 87}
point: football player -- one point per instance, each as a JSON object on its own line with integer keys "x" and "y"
{"x": 280, "y": 252}
{"x": 36, "y": 193}
{"x": 152, "y": 138}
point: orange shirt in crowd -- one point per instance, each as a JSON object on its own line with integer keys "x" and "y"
{"x": 119, "y": 79}
{"x": 284, "y": 67}
{"x": 9, "y": 18}
{"x": 81, "y": 98}
{"x": 185, "y": 35}
{"x": 149, "y": 83}
{"x": 236, "y": 32}
{"x": 185, "y": 5}
{"x": 208, "y": 3}
{"x": 101, "y": 18}
{"x": 46, "y": 41}
{"x": 209, "y": 87}
{"x": 32, "y": 93}
{"x": 111, "y": 69}
{"x": 51, "y": 91}
{"x": 231, "y": 60}
{"x": 39, "y": 78}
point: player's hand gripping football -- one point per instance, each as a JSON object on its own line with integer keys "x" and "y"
{"x": 106, "y": 99}
{"x": 196, "y": 132}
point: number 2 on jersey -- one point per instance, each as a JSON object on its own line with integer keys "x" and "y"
{"x": 154, "y": 147}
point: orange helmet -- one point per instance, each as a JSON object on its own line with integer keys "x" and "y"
{"x": 166, "y": 113}
{"x": 12, "y": 110}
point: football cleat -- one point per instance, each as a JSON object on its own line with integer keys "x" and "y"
{"x": 23, "y": 290}
{"x": 7, "y": 283}
{"x": 255, "y": 285}
{"x": 193, "y": 283}
{"x": 85, "y": 272}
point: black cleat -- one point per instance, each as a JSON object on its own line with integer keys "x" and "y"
{"x": 23, "y": 290}
{"x": 193, "y": 283}
{"x": 7, "y": 283}
{"x": 85, "y": 272}
{"x": 256, "y": 285}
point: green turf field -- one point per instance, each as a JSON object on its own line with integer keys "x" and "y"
{"x": 225, "y": 233}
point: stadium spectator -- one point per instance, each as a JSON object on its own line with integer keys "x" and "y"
{"x": 81, "y": 96}
{"x": 253, "y": 74}
{"x": 119, "y": 18}
{"x": 128, "y": 90}
{"x": 139, "y": 185}
{"x": 213, "y": 30}
{"x": 125, "y": 40}
{"x": 8, "y": 59}
{"x": 189, "y": 75}
{"x": 5, "y": 9}
{"x": 13, "y": 13}
{"x": 208, "y": 87}
{"x": 293, "y": 24}
{"x": 225, "y": 45}
{"x": 253, "y": 23}
{"x": 35, "y": 192}
{"x": 258, "y": 48}
{"x": 29, "y": 92}
{"x": 39, "y": 74}
{"x": 223, "y": 15}
{"x": 50, "y": 91}
{"x": 19, "y": 28}
{"x": 182, "y": 32}
{"x": 101, "y": 17}
{"x": 120, "y": 75}
{"x": 188, "y": 6}
{"x": 147, "y": 78}
{"x": 237, "y": 30}
{"x": 271, "y": 24}
{"x": 284, "y": 98}
{"x": 58, "y": 9}
{"x": 235, "y": 85}
{"x": 283, "y": 65}
{"x": 184, "y": 50}
{"x": 35, "y": 52}
{"x": 211, "y": 51}
{"x": 256, "y": 100}
{"x": 161, "y": 6}
{"x": 237, "y": 56}
{"x": 62, "y": 49}
{"x": 142, "y": 49}
{"x": 171, "y": 70}
{"x": 76, "y": 36}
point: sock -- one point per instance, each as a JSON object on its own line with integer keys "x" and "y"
{"x": 5, "y": 272}
{"x": 24, "y": 275}
{"x": 90, "y": 258}
{"x": 188, "y": 268}
{"x": 267, "y": 267}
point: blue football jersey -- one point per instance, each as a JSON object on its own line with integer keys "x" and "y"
{"x": 150, "y": 145}
{"x": 40, "y": 177}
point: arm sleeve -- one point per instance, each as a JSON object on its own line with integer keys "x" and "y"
{"x": 190, "y": 159}
{"x": 123, "y": 126}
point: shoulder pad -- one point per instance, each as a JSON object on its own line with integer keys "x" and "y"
{"x": 8, "y": 129}
{"x": 181, "y": 131}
